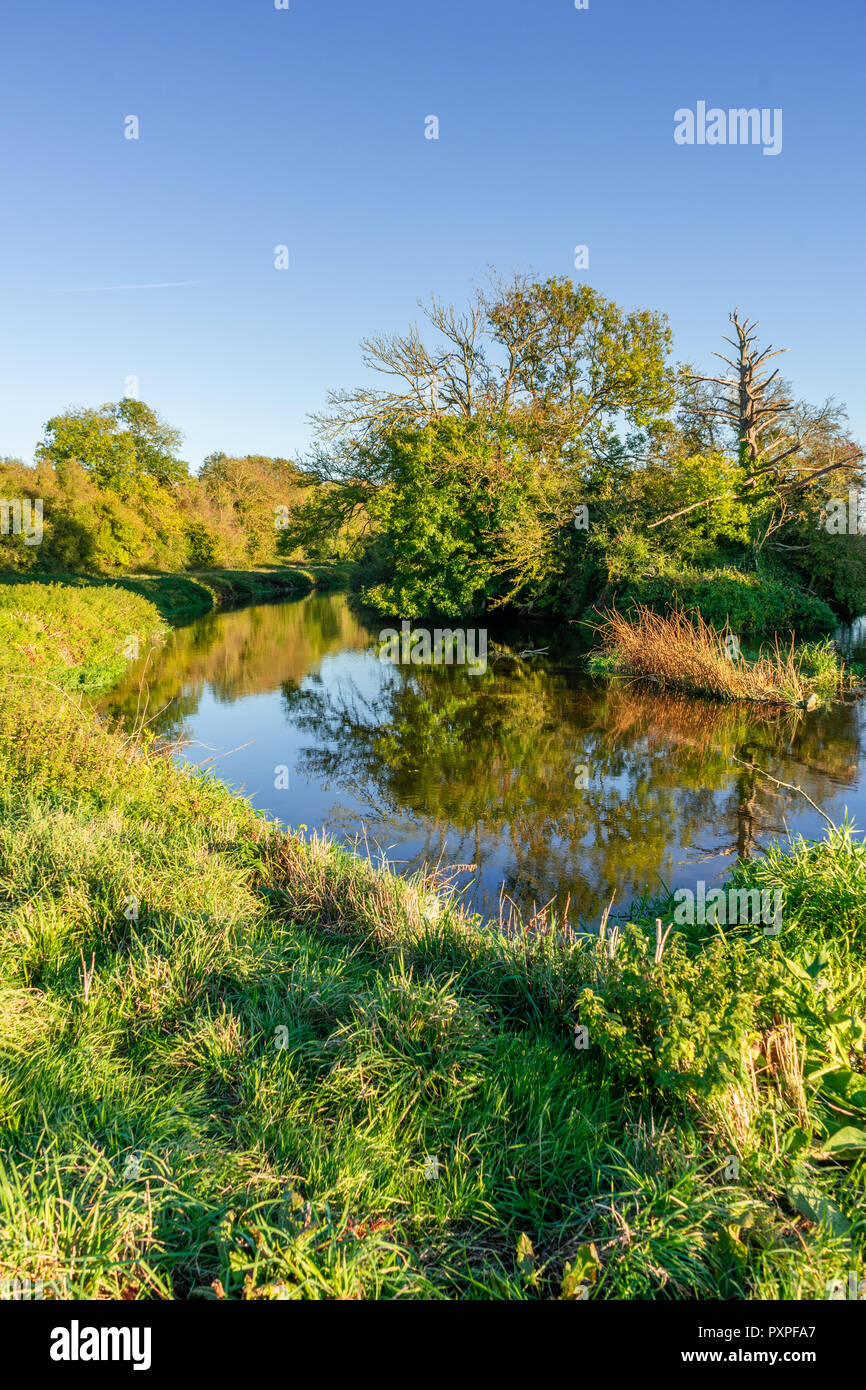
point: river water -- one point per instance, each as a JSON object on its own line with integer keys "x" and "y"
{"x": 530, "y": 780}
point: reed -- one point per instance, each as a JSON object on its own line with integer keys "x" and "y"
{"x": 683, "y": 651}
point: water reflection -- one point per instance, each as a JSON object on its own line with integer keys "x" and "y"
{"x": 552, "y": 785}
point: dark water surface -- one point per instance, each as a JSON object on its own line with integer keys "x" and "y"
{"x": 434, "y": 764}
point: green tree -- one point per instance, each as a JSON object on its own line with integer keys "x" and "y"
{"x": 449, "y": 487}
{"x": 559, "y": 359}
{"x": 508, "y": 406}
{"x": 250, "y": 499}
{"x": 116, "y": 444}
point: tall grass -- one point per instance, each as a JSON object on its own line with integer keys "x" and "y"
{"x": 685, "y": 652}
{"x": 239, "y": 1063}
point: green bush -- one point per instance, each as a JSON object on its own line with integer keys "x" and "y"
{"x": 835, "y": 568}
{"x": 749, "y": 603}
{"x": 203, "y": 547}
{"x": 438, "y": 516}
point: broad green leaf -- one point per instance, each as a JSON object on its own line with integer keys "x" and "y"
{"x": 810, "y": 1200}
{"x": 845, "y": 1139}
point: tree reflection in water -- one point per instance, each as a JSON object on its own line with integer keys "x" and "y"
{"x": 434, "y": 764}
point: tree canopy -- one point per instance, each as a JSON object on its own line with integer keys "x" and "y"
{"x": 116, "y": 444}
{"x": 541, "y": 447}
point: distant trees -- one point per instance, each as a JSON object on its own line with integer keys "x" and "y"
{"x": 91, "y": 528}
{"x": 118, "y": 497}
{"x": 117, "y": 445}
{"x": 536, "y": 447}
{"x": 246, "y": 503}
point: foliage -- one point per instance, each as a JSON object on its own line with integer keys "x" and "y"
{"x": 746, "y": 602}
{"x": 327, "y": 523}
{"x": 536, "y": 449}
{"x": 234, "y": 1089}
{"x": 241, "y": 507}
{"x": 558, "y": 358}
{"x": 116, "y": 445}
{"x": 72, "y": 636}
{"x": 92, "y": 528}
{"x": 116, "y": 499}
{"x": 833, "y": 566}
{"x": 628, "y": 473}
{"x": 438, "y": 514}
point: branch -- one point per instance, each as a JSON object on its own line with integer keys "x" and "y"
{"x": 809, "y": 478}
{"x": 752, "y": 767}
{"x": 683, "y": 511}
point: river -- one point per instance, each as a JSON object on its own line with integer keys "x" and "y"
{"x": 528, "y": 782}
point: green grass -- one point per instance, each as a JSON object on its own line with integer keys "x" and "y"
{"x": 179, "y": 597}
{"x": 229, "y": 1055}
{"x": 54, "y": 632}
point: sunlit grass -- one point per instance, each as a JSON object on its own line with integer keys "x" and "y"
{"x": 239, "y": 1062}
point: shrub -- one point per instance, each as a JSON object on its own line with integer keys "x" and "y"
{"x": 439, "y": 517}
{"x": 748, "y": 603}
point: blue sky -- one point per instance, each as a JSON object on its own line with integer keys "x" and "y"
{"x": 305, "y": 127}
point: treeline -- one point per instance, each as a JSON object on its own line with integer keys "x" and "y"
{"x": 540, "y": 448}
{"x": 117, "y": 498}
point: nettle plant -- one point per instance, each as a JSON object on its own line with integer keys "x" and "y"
{"x": 736, "y": 1031}
{"x": 832, "y": 1065}
{"x": 681, "y": 1023}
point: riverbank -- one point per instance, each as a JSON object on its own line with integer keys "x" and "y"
{"x": 73, "y": 636}
{"x": 179, "y": 597}
{"x": 239, "y": 1063}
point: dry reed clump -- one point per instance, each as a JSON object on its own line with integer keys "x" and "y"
{"x": 785, "y": 1061}
{"x": 685, "y": 652}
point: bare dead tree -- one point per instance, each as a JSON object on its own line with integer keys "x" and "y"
{"x": 451, "y": 377}
{"x": 751, "y": 404}
{"x": 784, "y": 447}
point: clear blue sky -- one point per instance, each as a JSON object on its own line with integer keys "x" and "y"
{"x": 306, "y": 127}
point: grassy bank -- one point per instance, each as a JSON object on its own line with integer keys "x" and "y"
{"x": 72, "y": 637}
{"x": 684, "y": 652}
{"x": 239, "y": 1063}
{"x": 179, "y": 597}
{"x": 750, "y": 604}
